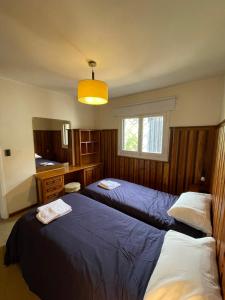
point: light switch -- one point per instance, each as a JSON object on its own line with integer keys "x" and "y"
{"x": 7, "y": 152}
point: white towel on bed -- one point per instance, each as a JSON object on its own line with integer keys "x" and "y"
{"x": 108, "y": 184}
{"x": 51, "y": 211}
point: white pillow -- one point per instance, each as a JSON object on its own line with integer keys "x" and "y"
{"x": 193, "y": 209}
{"x": 37, "y": 156}
{"x": 186, "y": 270}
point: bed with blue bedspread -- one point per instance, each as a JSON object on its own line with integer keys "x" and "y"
{"x": 94, "y": 252}
{"x": 145, "y": 204}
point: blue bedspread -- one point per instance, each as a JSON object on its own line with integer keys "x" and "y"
{"x": 95, "y": 252}
{"x": 143, "y": 203}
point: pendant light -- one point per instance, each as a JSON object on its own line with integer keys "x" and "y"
{"x": 92, "y": 91}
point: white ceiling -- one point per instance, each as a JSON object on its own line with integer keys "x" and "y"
{"x": 138, "y": 45}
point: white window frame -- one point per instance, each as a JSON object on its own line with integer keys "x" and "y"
{"x": 144, "y": 155}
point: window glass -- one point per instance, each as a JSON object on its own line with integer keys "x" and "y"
{"x": 130, "y": 134}
{"x": 152, "y": 134}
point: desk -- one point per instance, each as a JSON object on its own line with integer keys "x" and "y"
{"x": 50, "y": 184}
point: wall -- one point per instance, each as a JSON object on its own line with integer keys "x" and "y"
{"x": 18, "y": 104}
{"x": 197, "y": 103}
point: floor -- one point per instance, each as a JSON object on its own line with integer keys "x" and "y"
{"x": 12, "y": 284}
{"x": 6, "y": 227}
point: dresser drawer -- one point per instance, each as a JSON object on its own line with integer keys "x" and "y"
{"x": 51, "y": 197}
{"x": 57, "y": 180}
{"x": 53, "y": 188}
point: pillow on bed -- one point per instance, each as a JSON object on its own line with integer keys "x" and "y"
{"x": 37, "y": 156}
{"x": 193, "y": 209}
{"x": 186, "y": 269}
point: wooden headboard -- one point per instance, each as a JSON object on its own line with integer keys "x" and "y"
{"x": 218, "y": 191}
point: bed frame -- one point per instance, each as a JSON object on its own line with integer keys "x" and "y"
{"x": 218, "y": 205}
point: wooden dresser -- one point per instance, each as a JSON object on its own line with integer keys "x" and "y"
{"x": 50, "y": 184}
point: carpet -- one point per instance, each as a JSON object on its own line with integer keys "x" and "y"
{"x": 12, "y": 284}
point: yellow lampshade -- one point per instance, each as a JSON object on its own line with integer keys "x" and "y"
{"x": 92, "y": 92}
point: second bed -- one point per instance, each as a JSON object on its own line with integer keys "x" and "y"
{"x": 145, "y": 204}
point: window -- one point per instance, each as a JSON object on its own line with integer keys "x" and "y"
{"x": 144, "y": 137}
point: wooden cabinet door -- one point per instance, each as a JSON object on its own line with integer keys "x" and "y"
{"x": 92, "y": 174}
{"x": 88, "y": 176}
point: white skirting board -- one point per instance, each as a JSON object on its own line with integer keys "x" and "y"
{"x": 3, "y": 203}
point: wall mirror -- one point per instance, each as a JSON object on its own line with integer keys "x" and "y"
{"x": 50, "y": 143}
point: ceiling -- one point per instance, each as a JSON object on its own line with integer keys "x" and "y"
{"x": 138, "y": 45}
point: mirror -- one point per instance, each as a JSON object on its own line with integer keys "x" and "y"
{"x": 50, "y": 143}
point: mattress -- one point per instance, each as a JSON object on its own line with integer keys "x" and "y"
{"x": 94, "y": 252}
{"x": 145, "y": 204}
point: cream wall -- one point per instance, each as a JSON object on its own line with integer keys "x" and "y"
{"x": 18, "y": 104}
{"x": 197, "y": 103}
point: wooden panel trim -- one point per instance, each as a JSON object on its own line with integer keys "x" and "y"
{"x": 218, "y": 202}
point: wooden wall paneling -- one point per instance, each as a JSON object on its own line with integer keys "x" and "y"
{"x": 182, "y": 159}
{"x": 173, "y": 158}
{"x": 218, "y": 203}
{"x": 165, "y": 183}
{"x": 199, "y": 161}
{"x": 146, "y": 172}
{"x": 140, "y": 171}
{"x": 109, "y": 151}
{"x": 217, "y": 186}
{"x": 114, "y": 152}
{"x": 190, "y": 157}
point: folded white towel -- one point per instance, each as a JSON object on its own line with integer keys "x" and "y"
{"x": 46, "y": 164}
{"x": 51, "y": 211}
{"x": 108, "y": 184}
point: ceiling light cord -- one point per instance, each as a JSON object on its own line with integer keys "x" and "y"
{"x": 92, "y": 65}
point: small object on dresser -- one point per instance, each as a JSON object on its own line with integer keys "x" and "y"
{"x": 66, "y": 166}
{"x": 72, "y": 187}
